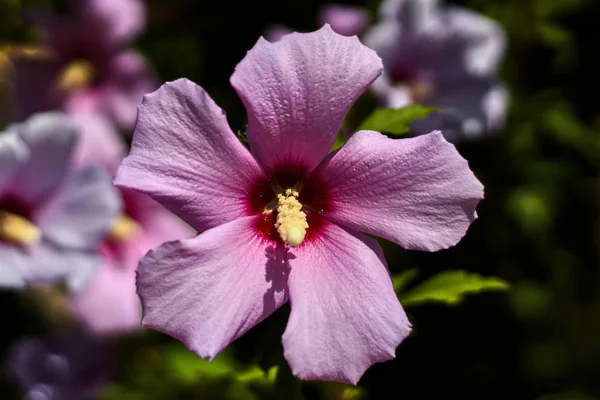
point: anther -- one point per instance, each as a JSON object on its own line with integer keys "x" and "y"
{"x": 420, "y": 91}
{"x": 123, "y": 228}
{"x": 291, "y": 220}
{"x": 18, "y": 230}
{"x": 77, "y": 75}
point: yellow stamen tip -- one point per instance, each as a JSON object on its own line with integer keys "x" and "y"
{"x": 291, "y": 220}
{"x": 18, "y": 230}
{"x": 123, "y": 229}
{"x": 77, "y": 75}
{"x": 295, "y": 236}
{"x": 420, "y": 91}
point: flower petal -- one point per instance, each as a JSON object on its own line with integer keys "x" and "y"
{"x": 109, "y": 302}
{"x": 129, "y": 78}
{"x": 345, "y": 20}
{"x": 10, "y": 273}
{"x": 209, "y": 290}
{"x": 345, "y": 315}
{"x": 187, "y": 158}
{"x": 471, "y": 107}
{"x": 415, "y": 16}
{"x": 113, "y": 23}
{"x": 483, "y": 39}
{"x": 81, "y": 212}
{"x": 158, "y": 224}
{"x": 44, "y": 263}
{"x": 297, "y": 92}
{"x": 99, "y": 142}
{"x": 13, "y": 153}
{"x": 418, "y": 193}
{"x": 274, "y": 33}
{"x": 51, "y": 139}
{"x": 66, "y": 365}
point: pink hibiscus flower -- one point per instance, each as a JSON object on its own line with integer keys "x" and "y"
{"x": 85, "y": 64}
{"x": 283, "y": 221}
{"x": 109, "y": 303}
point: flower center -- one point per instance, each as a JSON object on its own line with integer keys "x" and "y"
{"x": 419, "y": 89}
{"x": 15, "y": 225}
{"x": 79, "y": 74}
{"x": 123, "y": 228}
{"x": 288, "y": 201}
{"x": 291, "y": 220}
{"x": 17, "y": 229}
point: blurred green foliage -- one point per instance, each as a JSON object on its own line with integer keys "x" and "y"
{"x": 448, "y": 287}
{"x": 395, "y": 121}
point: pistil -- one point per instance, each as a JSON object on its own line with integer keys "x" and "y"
{"x": 420, "y": 91}
{"x": 123, "y": 228}
{"x": 291, "y": 220}
{"x": 18, "y": 230}
{"x": 77, "y": 75}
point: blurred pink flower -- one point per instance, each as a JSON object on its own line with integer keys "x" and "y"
{"x": 282, "y": 221}
{"x": 64, "y": 366}
{"x": 442, "y": 56}
{"x": 343, "y": 19}
{"x": 85, "y": 65}
{"x": 109, "y": 303}
{"x": 52, "y": 217}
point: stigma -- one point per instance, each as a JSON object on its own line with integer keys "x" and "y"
{"x": 123, "y": 228}
{"x": 291, "y": 220}
{"x": 18, "y": 230}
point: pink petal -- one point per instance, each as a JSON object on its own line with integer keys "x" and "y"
{"x": 112, "y": 23}
{"x": 99, "y": 142}
{"x": 418, "y": 192}
{"x": 274, "y": 33}
{"x": 484, "y": 40}
{"x": 129, "y": 78}
{"x": 159, "y": 225}
{"x": 44, "y": 263}
{"x": 51, "y": 138}
{"x": 81, "y": 211}
{"x": 345, "y": 315}
{"x": 297, "y": 92}
{"x": 187, "y": 158}
{"x": 345, "y": 20}
{"x": 210, "y": 290}
{"x": 416, "y": 16}
{"x": 109, "y": 302}
{"x": 13, "y": 154}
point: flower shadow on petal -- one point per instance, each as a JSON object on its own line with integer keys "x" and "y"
{"x": 277, "y": 272}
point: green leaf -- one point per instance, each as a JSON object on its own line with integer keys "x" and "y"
{"x": 188, "y": 367}
{"x": 395, "y": 121}
{"x": 402, "y": 279}
{"x": 450, "y": 287}
{"x": 340, "y": 140}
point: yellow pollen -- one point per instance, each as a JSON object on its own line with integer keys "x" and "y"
{"x": 77, "y": 75}
{"x": 291, "y": 220}
{"x": 18, "y": 230}
{"x": 420, "y": 91}
{"x": 123, "y": 228}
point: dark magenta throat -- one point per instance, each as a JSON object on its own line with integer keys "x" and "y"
{"x": 313, "y": 195}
